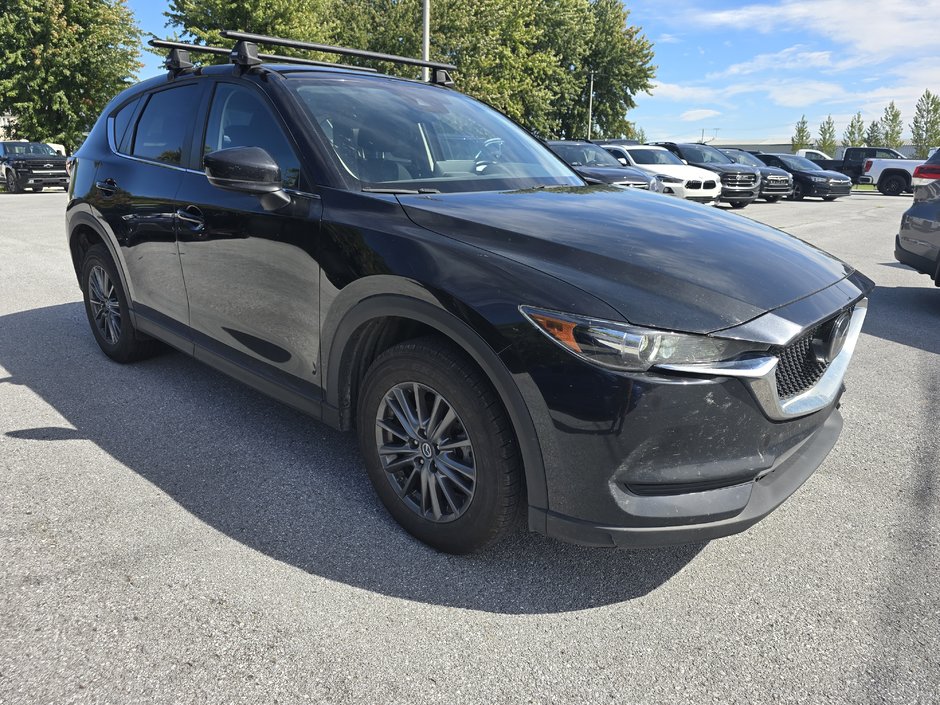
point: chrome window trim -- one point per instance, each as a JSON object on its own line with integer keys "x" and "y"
{"x": 759, "y": 375}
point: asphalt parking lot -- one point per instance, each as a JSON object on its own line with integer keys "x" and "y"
{"x": 169, "y": 536}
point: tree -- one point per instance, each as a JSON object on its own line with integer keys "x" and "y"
{"x": 854, "y": 135}
{"x": 801, "y": 137}
{"x": 61, "y": 61}
{"x": 827, "y": 136}
{"x": 874, "y": 135}
{"x": 925, "y": 130}
{"x": 892, "y": 127}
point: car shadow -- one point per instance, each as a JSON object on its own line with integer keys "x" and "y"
{"x": 906, "y": 314}
{"x": 294, "y": 489}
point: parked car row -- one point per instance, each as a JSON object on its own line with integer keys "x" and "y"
{"x": 702, "y": 173}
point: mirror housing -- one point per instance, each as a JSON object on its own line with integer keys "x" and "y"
{"x": 249, "y": 170}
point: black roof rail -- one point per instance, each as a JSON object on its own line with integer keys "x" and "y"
{"x": 178, "y": 49}
{"x": 440, "y": 75}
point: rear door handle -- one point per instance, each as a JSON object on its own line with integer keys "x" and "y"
{"x": 193, "y": 217}
{"x": 107, "y": 187}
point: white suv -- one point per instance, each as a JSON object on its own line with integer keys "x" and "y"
{"x": 677, "y": 177}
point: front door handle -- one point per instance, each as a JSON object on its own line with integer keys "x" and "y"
{"x": 107, "y": 187}
{"x": 193, "y": 217}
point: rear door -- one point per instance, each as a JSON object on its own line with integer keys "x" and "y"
{"x": 252, "y": 275}
{"x": 136, "y": 190}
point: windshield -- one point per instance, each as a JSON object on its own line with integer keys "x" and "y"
{"x": 29, "y": 149}
{"x": 703, "y": 154}
{"x": 410, "y": 137}
{"x": 654, "y": 156}
{"x": 584, "y": 155}
{"x": 745, "y": 158}
{"x": 799, "y": 163}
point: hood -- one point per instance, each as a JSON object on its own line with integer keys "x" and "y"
{"x": 660, "y": 262}
{"x": 772, "y": 171}
{"x": 613, "y": 174}
{"x": 838, "y": 176}
{"x": 680, "y": 171}
{"x": 727, "y": 168}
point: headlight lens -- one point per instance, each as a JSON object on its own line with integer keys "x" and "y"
{"x": 668, "y": 179}
{"x": 656, "y": 186}
{"x": 624, "y": 347}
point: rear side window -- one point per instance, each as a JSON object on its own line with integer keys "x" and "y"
{"x": 161, "y": 130}
{"x": 240, "y": 118}
{"x": 122, "y": 120}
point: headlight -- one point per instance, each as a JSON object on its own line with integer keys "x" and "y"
{"x": 624, "y": 347}
{"x": 656, "y": 186}
{"x": 668, "y": 179}
{"x": 819, "y": 179}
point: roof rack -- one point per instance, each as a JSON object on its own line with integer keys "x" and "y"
{"x": 178, "y": 59}
{"x": 440, "y": 75}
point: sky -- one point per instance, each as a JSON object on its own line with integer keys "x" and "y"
{"x": 749, "y": 70}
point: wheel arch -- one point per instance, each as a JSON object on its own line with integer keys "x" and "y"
{"x": 85, "y": 231}
{"x": 378, "y": 322}
{"x": 888, "y": 173}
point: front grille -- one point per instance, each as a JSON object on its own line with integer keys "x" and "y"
{"x": 632, "y": 184}
{"x": 798, "y": 369}
{"x": 739, "y": 179}
{"x": 693, "y": 184}
{"x": 709, "y": 184}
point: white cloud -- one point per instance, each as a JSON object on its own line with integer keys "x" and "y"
{"x": 673, "y": 91}
{"x": 700, "y": 114}
{"x": 795, "y": 57}
{"x": 666, "y": 38}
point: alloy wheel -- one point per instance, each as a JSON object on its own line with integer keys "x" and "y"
{"x": 105, "y": 306}
{"x": 425, "y": 451}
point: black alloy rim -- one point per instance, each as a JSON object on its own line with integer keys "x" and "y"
{"x": 105, "y": 306}
{"x": 425, "y": 452}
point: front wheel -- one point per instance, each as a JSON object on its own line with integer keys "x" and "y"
{"x": 772, "y": 199}
{"x": 798, "y": 192}
{"x": 439, "y": 447}
{"x": 738, "y": 204}
{"x": 108, "y": 312}
{"x": 37, "y": 189}
{"x": 13, "y": 184}
{"x": 829, "y": 198}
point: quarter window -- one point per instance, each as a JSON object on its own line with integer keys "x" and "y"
{"x": 161, "y": 130}
{"x": 122, "y": 119}
{"x": 239, "y": 118}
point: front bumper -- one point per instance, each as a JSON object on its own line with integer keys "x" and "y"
{"x": 772, "y": 190}
{"x": 834, "y": 190}
{"x": 705, "y": 515}
{"x": 738, "y": 194}
{"x": 30, "y": 178}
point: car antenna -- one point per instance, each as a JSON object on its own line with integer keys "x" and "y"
{"x": 440, "y": 75}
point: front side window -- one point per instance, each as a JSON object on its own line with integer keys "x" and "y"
{"x": 799, "y": 163}
{"x": 161, "y": 130}
{"x": 240, "y": 118}
{"x": 405, "y": 136}
{"x": 702, "y": 154}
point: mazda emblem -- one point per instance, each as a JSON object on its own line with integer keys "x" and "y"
{"x": 827, "y": 349}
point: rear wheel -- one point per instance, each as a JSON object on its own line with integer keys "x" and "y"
{"x": 37, "y": 189}
{"x": 893, "y": 185}
{"x": 107, "y": 310}
{"x": 772, "y": 199}
{"x": 439, "y": 447}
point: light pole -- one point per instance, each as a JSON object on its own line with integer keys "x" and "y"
{"x": 426, "y": 41}
{"x": 590, "y": 106}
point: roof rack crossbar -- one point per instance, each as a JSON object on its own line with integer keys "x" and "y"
{"x": 222, "y": 51}
{"x": 326, "y": 48}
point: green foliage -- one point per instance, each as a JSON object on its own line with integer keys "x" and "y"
{"x": 925, "y": 130}
{"x": 874, "y": 135}
{"x": 801, "y": 136}
{"x": 61, "y": 61}
{"x": 892, "y": 127}
{"x": 827, "y": 136}
{"x": 854, "y": 135}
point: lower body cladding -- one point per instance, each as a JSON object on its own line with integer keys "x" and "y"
{"x": 29, "y": 179}
{"x": 655, "y": 459}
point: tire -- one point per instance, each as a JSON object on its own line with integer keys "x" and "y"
{"x": 426, "y": 488}
{"x": 893, "y": 185}
{"x": 13, "y": 184}
{"x": 107, "y": 310}
{"x": 771, "y": 199}
{"x": 738, "y": 205}
{"x": 829, "y": 198}
{"x": 37, "y": 189}
{"x": 798, "y": 193}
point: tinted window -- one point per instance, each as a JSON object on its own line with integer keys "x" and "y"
{"x": 240, "y": 118}
{"x": 702, "y": 154}
{"x": 799, "y": 163}
{"x": 584, "y": 155}
{"x": 654, "y": 156}
{"x": 161, "y": 130}
{"x": 885, "y": 154}
{"x": 742, "y": 157}
{"x": 122, "y": 119}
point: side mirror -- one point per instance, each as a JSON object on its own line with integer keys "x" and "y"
{"x": 685, "y": 162}
{"x": 623, "y": 161}
{"x": 249, "y": 170}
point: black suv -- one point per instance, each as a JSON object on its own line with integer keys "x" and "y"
{"x": 595, "y": 165}
{"x": 396, "y": 258}
{"x": 32, "y": 165}
{"x": 740, "y": 184}
{"x": 775, "y": 183}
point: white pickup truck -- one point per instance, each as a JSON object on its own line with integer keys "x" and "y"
{"x": 891, "y": 176}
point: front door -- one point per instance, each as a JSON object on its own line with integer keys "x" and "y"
{"x": 252, "y": 275}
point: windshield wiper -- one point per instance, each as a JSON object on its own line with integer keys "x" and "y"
{"x": 400, "y": 191}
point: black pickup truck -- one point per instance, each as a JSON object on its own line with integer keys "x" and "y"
{"x": 31, "y": 165}
{"x": 853, "y": 161}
